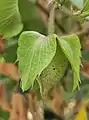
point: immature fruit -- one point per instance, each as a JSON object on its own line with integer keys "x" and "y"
{"x": 54, "y": 72}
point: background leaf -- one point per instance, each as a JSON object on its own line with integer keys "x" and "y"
{"x": 10, "y": 19}
{"x": 10, "y": 54}
{"x": 4, "y": 115}
{"x": 86, "y": 5}
{"x": 2, "y": 59}
{"x": 85, "y": 10}
{"x": 31, "y": 18}
{"x": 71, "y": 47}
{"x": 37, "y": 52}
{"x": 33, "y": 1}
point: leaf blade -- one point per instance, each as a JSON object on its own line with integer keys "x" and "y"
{"x": 39, "y": 51}
{"x": 10, "y": 19}
{"x": 86, "y": 6}
{"x": 71, "y": 48}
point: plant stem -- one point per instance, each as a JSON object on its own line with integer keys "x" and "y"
{"x": 51, "y": 24}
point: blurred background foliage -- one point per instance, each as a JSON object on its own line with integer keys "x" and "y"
{"x": 34, "y": 14}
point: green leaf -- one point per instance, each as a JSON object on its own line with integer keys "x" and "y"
{"x": 2, "y": 59}
{"x": 86, "y": 6}
{"x": 54, "y": 72}
{"x": 85, "y": 10}
{"x": 33, "y": 1}
{"x": 78, "y": 3}
{"x": 71, "y": 47}
{"x": 32, "y": 20}
{"x": 4, "y": 115}
{"x": 35, "y": 52}
{"x": 11, "y": 50}
{"x": 87, "y": 18}
{"x": 10, "y": 19}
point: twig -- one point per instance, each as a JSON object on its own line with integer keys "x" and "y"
{"x": 82, "y": 32}
{"x": 64, "y": 9}
{"x": 47, "y": 14}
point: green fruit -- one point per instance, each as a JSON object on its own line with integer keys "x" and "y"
{"x": 54, "y": 72}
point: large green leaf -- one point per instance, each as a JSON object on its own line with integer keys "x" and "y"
{"x": 71, "y": 47}
{"x": 10, "y": 19}
{"x": 35, "y": 52}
